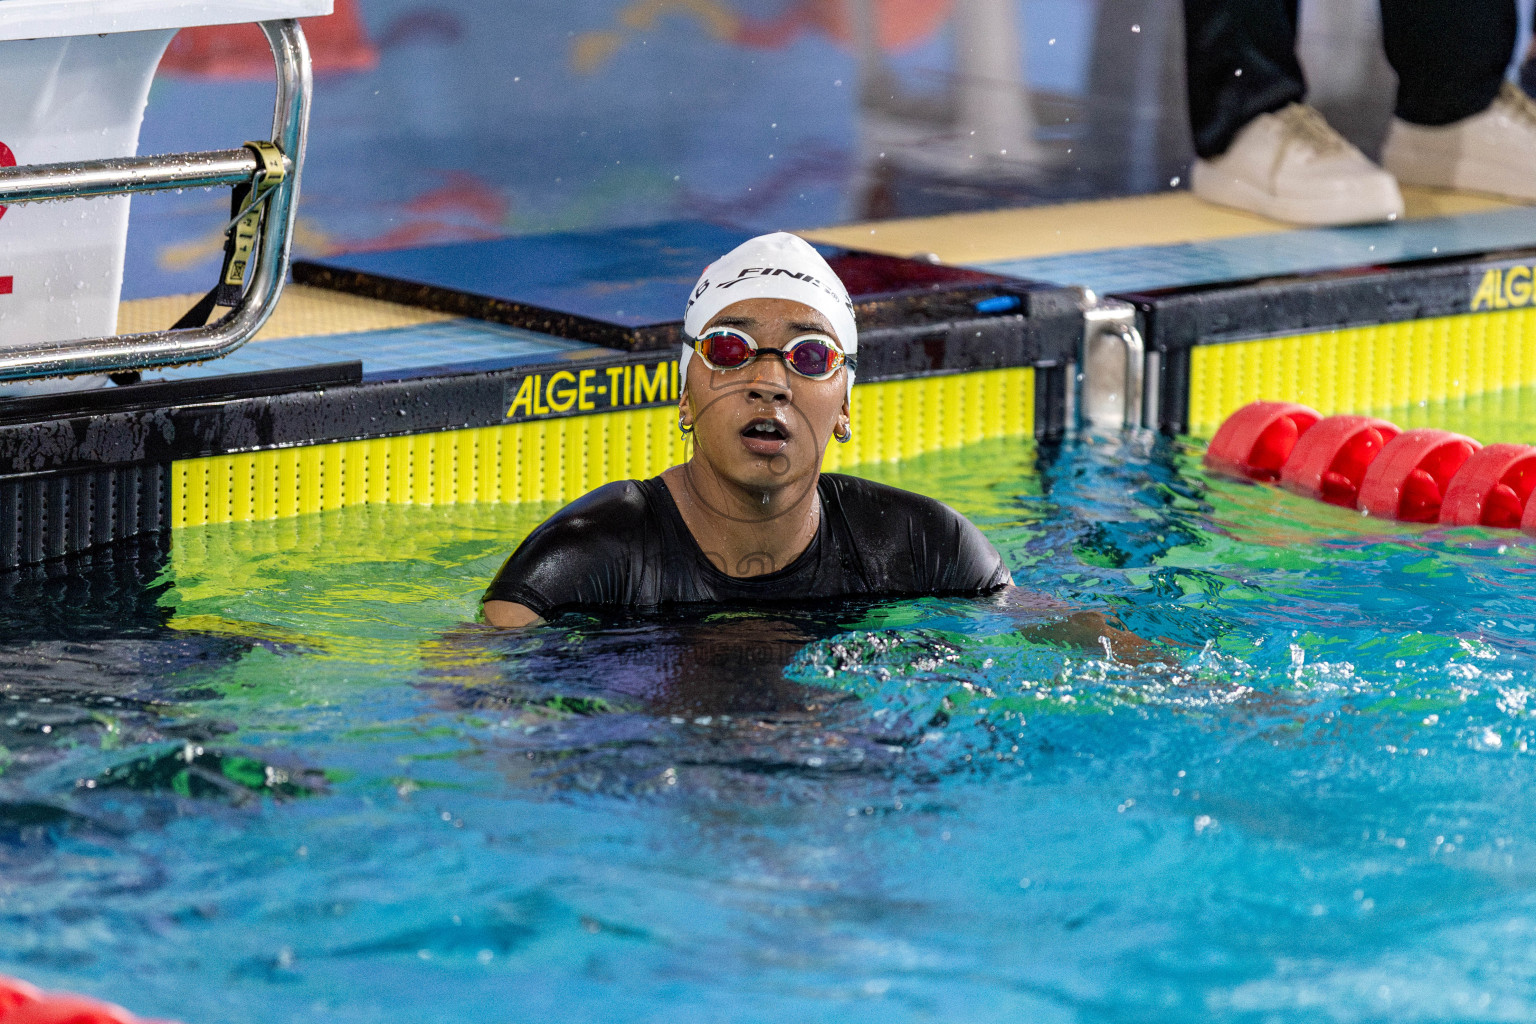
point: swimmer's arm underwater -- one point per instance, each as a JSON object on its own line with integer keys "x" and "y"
{"x": 1040, "y": 618}
{"x": 509, "y": 614}
{"x": 1049, "y": 621}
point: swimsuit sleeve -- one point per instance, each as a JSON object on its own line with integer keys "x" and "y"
{"x": 911, "y": 544}
{"x": 975, "y": 566}
{"x": 589, "y": 554}
{"x": 949, "y": 554}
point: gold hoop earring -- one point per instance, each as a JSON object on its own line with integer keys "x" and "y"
{"x": 844, "y": 437}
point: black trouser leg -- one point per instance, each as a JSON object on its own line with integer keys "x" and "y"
{"x": 1449, "y": 55}
{"x": 1240, "y": 58}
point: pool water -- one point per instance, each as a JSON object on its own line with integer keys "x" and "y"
{"x": 275, "y": 773}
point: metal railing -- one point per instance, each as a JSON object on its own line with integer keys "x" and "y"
{"x": 1113, "y": 366}
{"x": 127, "y": 175}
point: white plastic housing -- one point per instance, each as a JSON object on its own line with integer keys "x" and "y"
{"x": 74, "y": 81}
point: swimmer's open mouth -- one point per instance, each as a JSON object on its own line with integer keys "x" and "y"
{"x": 765, "y": 437}
{"x": 766, "y": 429}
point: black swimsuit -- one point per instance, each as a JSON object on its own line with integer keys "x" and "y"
{"x": 625, "y": 545}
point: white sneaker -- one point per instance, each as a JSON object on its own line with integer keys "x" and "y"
{"x": 1494, "y": 151}
{"x": 1291, "y": 166}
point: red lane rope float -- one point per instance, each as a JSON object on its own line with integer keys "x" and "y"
{"x": 1408, "y": 480}
{"x": 1419, "y": 476}
{"x": 1330, "y": 460}
{"x": 1493, "y": 488}
{"x": 1256, "y": 440}
{"x": 21, "y": 1003}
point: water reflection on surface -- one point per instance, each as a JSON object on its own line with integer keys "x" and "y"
{"x": 284, "y": 770}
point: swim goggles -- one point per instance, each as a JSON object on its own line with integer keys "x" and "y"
{"x": 816, "y": 356}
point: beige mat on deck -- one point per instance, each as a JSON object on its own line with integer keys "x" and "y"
{"x": 302, "y": 312}
{"x": 1166, "y": 218}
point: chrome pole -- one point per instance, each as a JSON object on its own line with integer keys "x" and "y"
{"x": 290, "y": 132}
{"x": 1112, "y": 358}
{"x": 43, "y": 182}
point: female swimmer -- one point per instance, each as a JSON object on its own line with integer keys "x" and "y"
{"x": 750, "y": 518}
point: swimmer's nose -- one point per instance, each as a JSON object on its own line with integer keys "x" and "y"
{"x": 770, "y": 379}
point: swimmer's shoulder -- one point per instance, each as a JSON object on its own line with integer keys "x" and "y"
{"x": 619, "y": 499}
{"x": 591, "y": 552}
{"x": 620, "y": 510}
{"x": 901, "y": 531}
{"x": 869, "y": 503}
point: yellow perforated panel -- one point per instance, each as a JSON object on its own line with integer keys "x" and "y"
{"x": 1366, "y": 369}
{"x": 559, "y": 459}
{"x": 901, "y": 418}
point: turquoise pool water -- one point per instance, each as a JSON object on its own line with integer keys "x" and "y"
{"x": 273, "y": 776}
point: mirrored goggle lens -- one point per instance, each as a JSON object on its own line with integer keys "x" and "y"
{"x": 725, "y": 349}
{"x": 812, "y": 357}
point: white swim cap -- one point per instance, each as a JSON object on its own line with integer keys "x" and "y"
{"x": 776, "y": 266}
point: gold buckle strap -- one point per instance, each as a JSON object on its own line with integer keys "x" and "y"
{"x": 246, "y": 224}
